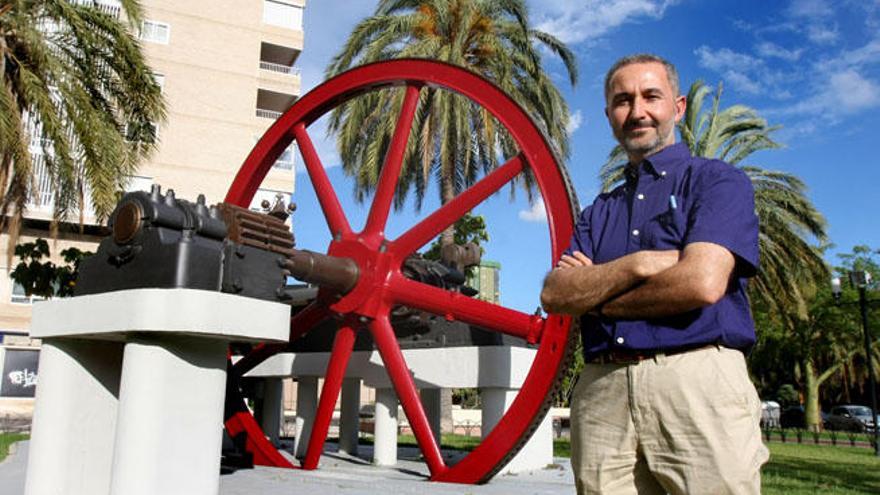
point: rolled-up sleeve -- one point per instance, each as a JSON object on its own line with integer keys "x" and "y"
{"x": 581, "y": 238}
{"x": 723, "y": 213}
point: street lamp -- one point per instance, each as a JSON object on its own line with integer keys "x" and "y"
{"x": 860, "y": 279}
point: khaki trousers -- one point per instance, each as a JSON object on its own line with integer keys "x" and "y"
{"x": 681, "y": 424}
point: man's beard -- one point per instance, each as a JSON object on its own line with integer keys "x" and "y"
{"x": 636, "y": 144}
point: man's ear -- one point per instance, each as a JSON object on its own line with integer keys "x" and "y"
{"x": 680, "y": 107}
{"x": 606, "y": 112}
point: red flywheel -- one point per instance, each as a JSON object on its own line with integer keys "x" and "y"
{"x": 381, "y": 284}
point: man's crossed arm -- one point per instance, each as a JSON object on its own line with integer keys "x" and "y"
{"x": 644, "y": 284}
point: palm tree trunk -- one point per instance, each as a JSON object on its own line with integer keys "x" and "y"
{"x": 812, "y": 420}
{"x": 447, "y": 194}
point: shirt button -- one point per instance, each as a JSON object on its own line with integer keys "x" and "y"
{"x": 641, "y": 196}
{"x": 635, "y": 232}
{"x": 663, "y": 173}
{"x": 619, "y": 340}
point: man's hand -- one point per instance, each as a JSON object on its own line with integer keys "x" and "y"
{"x": 576, "y": 259}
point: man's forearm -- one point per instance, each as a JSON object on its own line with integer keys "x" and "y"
{"x": 684, "y": 287}
{"x": 578, "y": 290}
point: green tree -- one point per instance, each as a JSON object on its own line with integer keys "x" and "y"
{"x": 45, "y": 278}
{"x": 454, "y": 139}
{"x": 788, "y": 221}
{"x": 75, "y": 84}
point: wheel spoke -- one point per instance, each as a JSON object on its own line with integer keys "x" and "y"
{"x": 336, "y": 221}
{"x": 393, "y": 163}
{"x": 446, "y": 215}
{"x": 343, "y": 344}
{"x": 456, "y": 306}
{"x": 300, "y": 323}
{"x": 398, "y": 372}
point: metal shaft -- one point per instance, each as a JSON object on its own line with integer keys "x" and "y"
{"x": 328, "y": 272}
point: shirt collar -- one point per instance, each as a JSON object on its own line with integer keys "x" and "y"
{"x": 661, "y": 163}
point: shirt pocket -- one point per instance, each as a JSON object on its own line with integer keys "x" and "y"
{"x": 664, "y": 231}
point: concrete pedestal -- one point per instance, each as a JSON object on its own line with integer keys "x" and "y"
{"x": 349, "y": 415}
{"x": 385, "y": 443}
{"x": 132, "y": 386}
{"x": 272, "y": 410}
{"x": 537, "y": 452}
{"x": 433, "y": 405}
{"x": 306, "y": 407}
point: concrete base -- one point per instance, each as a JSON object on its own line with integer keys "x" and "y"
{"x": 272, "y": 409}
{"x": 306, "y": 407}
{"x": 132, "y": 386}
{"x": 385, "y": 442}
{"x": 349, "y": 416}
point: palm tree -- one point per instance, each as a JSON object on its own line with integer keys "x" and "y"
{"x": 790, "y": 266}
{"x": 455, "y": 140}
{"x": 76, "y": 86}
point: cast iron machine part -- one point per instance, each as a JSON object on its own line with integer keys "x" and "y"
{"x": 382, "y": 284}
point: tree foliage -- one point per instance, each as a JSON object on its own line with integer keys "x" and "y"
{"x": 75, "y": 85}
{"x": 45, "y": 278}
{"x": 453, "y": 139}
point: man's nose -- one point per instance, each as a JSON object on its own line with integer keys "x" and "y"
{"x": 637, "y": 111}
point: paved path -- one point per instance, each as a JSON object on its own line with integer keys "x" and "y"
{"x": 346, "y": 475}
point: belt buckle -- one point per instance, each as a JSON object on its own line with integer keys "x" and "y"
{"x": 624, "y": 358}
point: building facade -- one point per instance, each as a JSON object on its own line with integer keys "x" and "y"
{"x": 227, "y": 71}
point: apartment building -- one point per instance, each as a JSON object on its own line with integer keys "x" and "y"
{"x": 227, "y": 70}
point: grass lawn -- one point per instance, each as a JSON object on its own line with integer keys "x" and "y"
{"x": 7, "y": 439}
{"x": 793, "y": 469}
{"x": 807, "y": 469}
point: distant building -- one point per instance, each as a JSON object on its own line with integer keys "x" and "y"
{"x": 227, "y": 70}
{"x": 486, "y": 278}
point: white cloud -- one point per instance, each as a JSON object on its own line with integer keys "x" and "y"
{"x": 811, "y": 9}
{"x": 741, "y": 71}
{"x": 574, "y": 122}
{"x": 841, "y": 94}
{"x": 853, "y": 92}
{"x": 577, "y": 21}
{"x": 537, "y": 213}
{"x": 770, "y": 50}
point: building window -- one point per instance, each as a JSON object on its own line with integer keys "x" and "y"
{"x": 139, "y": 183}
{"x": 19, "y": 296}
{"x": 282, "y": 14}
{"x": 155, "y": 32}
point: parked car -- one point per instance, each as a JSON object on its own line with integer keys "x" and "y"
{"x": 793, "y": 417}
{"x": 850, "y": 417}
{"x": 770, "y": 412}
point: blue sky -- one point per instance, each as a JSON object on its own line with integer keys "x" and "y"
{"x": 811, "y": 66}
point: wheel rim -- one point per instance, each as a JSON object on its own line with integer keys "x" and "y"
{"x": 382, "y": 285}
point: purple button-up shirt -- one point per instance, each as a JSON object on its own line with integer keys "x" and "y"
{"x": 673, "y": 200}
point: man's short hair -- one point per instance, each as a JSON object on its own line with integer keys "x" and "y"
{"x": 644, "y": 58}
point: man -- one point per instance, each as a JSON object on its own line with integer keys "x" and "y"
{"x": 657, "y": 272}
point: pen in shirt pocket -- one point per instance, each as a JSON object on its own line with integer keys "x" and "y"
{"x": 673, "y": 204}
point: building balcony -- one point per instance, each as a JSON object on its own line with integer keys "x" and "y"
{"x": 280, "y": 68}
{"x": 271, "y": 104}
{"x": 268, "y": 114}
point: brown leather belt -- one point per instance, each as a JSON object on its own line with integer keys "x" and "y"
{"x": 635, "y": 357}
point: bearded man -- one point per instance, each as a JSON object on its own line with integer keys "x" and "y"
{"x": 657, "y": 272}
